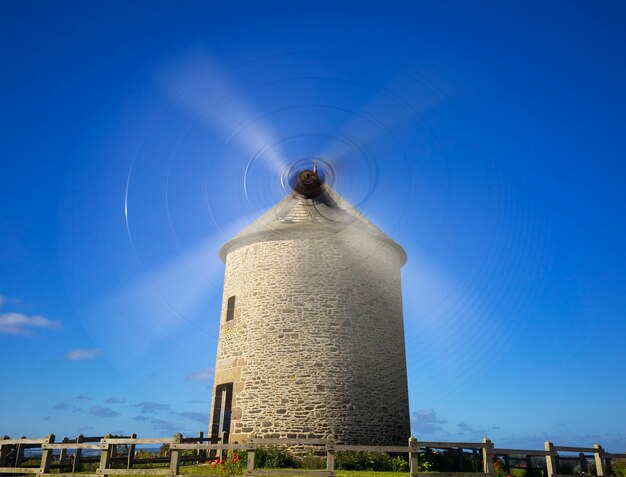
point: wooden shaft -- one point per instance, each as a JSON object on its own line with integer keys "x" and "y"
{"x": 63, "y": 453}
{"x": 600, "y": 460}
{"x": 414, "y": 451}
{"x": 251, "y": 456}
{"x": 330, "y": 455}
{"x": 551, "y": 459}
{"x": 175, "y": 455}
{"x": 46, "y": 456}
{"x": 487, "y": 451}
{"x": 131, "y": 453}
{"x": 105, "y": 456}
{"x": 77, "y": 455}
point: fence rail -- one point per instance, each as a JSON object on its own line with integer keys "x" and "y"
{"x": 12, "y": 455}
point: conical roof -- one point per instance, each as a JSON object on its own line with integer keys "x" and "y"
{"x": 295, "y": 215}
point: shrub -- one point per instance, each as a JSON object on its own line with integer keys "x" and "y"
{"x": 362, "y": 461}
{"x": 428, "y": 462}
{"x": 566, "y": 467}
{"x": 314, "y": 462}
{"x": 619, "y": 468}
{"x": 399, "y": 464}
{"x": 274, "y": 457}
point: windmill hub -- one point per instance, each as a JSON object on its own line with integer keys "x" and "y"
{"x": 308, "y": 183}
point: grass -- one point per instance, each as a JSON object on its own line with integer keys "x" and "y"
{"x": 368, "y": 473}
{"x": 204, "y": 470}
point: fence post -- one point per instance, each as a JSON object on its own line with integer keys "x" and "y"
{"x": 4, "y": 451}
{"x": 461, "y": 458}
{"x": 175, "y": 455}
{"x": 414, "y": 451}
{"x": 105, "y": 456}
{"x": 251, "y": 448}
{"x": 220, "y": 439}
{"x": 77, "y": 455}
{"x": 212, "y": 439}
{"x": 63, "y": 453}
{"x": 131, "y": 452}
{"x": 551, "y": 459}
{"x": 46, "y": 455}
{"x": 487, "y": 452}
{"x": 200, "y": 452}
{"x": 19, "y": 454}
{"x": 600, "y": 460}
{"x": 582, "y": 460}
{"x": 331, "y": 440}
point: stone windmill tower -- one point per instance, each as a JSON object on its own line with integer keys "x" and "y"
{"x": 311, "y": 338}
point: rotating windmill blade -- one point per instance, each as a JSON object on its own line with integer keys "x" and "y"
{"x": 231, "y": 143}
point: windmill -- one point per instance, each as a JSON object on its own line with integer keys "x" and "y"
{"x": 311, "y": 338}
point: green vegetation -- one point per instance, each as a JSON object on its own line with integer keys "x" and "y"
{"x": 619, "y": 468}
{"x": 371, "y": 461}
{"x": 347, "y": 464}
{"x": 206, "y": 470}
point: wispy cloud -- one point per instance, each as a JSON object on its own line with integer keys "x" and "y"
{"x": 86, "y": 428}
{"x": 148, "y": 407}
{"x": 196, "y": 401}
{"x": 82, "y": 353}
{"x": 7, "y": 299}
{"x": 166, "y": 427}
{"x": 46, "y": 418}
{"x": 114, "y": 400}
{"x": 103, "y": 412}
{"x": 80, "y": 397}
{"x": 195, "y": 416}
{"x": 425, "y": 421}
{"x": 205, "y": 374}
{"x": 467, "y": 429}
{"x": 63, "y": 406}
{"x": 20, "y": 324}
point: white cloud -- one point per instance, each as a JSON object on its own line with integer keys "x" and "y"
{"x": 205, "y": 374}
{"x": 82, "y": 353}
{"x": 20, "y": 324}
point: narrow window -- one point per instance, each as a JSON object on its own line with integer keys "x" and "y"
{"x": 230, "y": 311}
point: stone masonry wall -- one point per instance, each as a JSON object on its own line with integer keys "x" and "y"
{"x": 316, "y": 346}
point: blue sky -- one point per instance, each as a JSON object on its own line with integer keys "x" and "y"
{"x": 487, "y": 139}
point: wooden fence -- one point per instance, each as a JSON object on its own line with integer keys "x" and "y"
{"x": 12, "y": 453}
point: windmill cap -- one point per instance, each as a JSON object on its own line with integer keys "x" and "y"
{"x": 298, "y": 216}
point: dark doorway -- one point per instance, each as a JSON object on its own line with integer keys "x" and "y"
{"x": 222, "y": 409}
